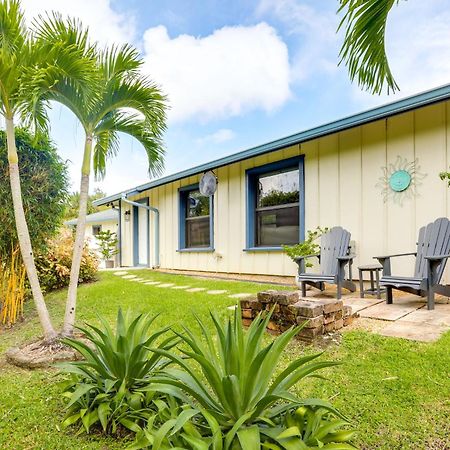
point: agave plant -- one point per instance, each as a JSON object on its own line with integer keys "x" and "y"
{"x": 244, "y": 399}
{"x": 105, "y": 387}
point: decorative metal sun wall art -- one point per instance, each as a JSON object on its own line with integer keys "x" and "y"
{"x": 400, "y": 180}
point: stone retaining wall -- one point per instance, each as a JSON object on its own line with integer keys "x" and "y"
{"x": 322, "y": 315}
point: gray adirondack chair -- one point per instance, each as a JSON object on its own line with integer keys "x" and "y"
{"x": 334, "y": 256}
{"x": 433, "y": 250}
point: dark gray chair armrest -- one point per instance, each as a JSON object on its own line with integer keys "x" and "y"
{"x": 437, "y": 257}
{"x": 385, "y": 261}
{"x": 346, "y": 258}
{"x": 299, "y": 258}
{"x": 396, "y": 255}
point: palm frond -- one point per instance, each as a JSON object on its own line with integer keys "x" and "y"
{"x": 364, "y": 49}
{"x": 134, "y": 126}
{"x": 13, "y": 31}
{"x": 106, "y": 146}
{"x": 123, "y": 61}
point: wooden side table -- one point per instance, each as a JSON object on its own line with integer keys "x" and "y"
{"x": 374, "y": 271}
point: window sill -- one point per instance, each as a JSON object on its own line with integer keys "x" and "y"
{"x": 196, "y": 250}
{"x": 263, "y": 249}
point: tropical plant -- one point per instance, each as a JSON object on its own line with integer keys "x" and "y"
{"x": 73, "y": 203}
{"x": 44, "y": 181}
{"x": 364, "y": 48}
{"x": 53, "y": 264}
{"x": 237, "y": 387}
{"x": 308, "y": 247}
{"x": 28, "y": 69}
{"x": 105, "y": 387}
{"x": 120, "y": 99}
{"x": 107, "y": 243}
{"x": 12, "y": 287}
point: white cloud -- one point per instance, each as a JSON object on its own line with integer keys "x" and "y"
{"x": 219, "y": 137}
{"x": 232, "y": 71}
{"x": 315, "y": 44}
{"x": 105, "y": 24}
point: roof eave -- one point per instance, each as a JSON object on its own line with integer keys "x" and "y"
{"x": 407, "y": 104}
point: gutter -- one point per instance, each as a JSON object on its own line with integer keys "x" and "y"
{"x": 156, "y": 211}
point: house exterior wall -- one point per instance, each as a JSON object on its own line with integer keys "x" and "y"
{"x": 92, "y": 241}
{"x": 342, "y": 171}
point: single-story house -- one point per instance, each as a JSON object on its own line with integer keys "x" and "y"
{"x": 105, "y": 220}
{"x": 375, "y": 173}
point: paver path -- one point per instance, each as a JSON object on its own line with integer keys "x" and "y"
{"x": 217, "y": 292}
{"x": 129, "y": 277}
{"x": 196, "y": 289}
{"x": 240, "y": 295}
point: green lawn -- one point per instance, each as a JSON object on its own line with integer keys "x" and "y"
{"x": 396, "y": 392}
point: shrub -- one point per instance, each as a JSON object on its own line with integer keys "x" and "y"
{"x": 308, "y": 247}
{"x": 105, "y": 387}
{"x": 53, "y": 264}
{"x": 244, "y": 400}
{"x": 44, "y": 181}
{"x": 107, "y": 243}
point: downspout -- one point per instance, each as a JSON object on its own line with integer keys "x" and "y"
{"x": 119, "y": 231}
{"x": 156, "y": 211}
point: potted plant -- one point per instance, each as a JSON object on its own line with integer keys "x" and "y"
{"x": 107, "y": 243}
{"x": 309, "y": 246}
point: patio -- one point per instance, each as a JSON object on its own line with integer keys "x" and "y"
{"x": 406, "y": 318}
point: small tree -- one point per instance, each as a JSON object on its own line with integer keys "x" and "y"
{"x": 107, "y": 242}
{"x": 44, "y": 181}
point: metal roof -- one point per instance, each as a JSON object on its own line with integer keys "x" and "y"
{"x": 107, "y": 215}
{"x": 416, "y": 101}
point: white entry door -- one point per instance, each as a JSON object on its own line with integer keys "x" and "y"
{"x": 141, "y": 236}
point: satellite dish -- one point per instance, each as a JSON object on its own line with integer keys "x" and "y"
{"x": 208, "y": 183}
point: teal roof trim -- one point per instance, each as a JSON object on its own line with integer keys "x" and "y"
{"x": 416, "y": 101}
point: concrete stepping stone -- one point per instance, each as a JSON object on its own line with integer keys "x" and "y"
{"x": 216, "y": 292}
{"x": 358, "y": 304}
{"x": 383, "y": 311}
{"x": 198, "y": 289}
{"x": 165, "y": 285}
{"x": 129, "y": 277}
{"x": 439, "y": 316}
{"x": 232, "y": 307}
{"x": 152, "y": 283}
{"x": 120, "y": 272}
{"x": 137, "y": 279}
{"x": 240, "y": 295}
{"x": 414, "y": 331}
{"x": 180, "y": 287}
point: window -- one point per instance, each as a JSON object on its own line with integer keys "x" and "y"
{"x": 196, "y": 225}
{"x": 275, "y": 199}
{"x": 96, "y": 229}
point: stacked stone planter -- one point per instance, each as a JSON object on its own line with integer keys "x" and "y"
{"x": 322, "y": 315}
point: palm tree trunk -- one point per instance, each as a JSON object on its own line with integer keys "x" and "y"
{"x": 71, "y": 304}
{"x": 23, "y": 233}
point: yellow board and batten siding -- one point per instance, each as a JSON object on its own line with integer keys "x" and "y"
{"x": 341, "y": 175}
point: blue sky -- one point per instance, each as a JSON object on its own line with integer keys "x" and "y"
{"x": 240, "y": 73}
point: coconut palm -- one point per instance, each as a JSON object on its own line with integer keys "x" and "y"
{"x": 27, "y": 71}
{"x": 364, "y": 49}
{"x": 121, "y": 100}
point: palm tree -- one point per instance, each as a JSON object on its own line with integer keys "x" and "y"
{"x": 27, "y": 70}
{"x": 121, "y": 100}
{"x": 364, "y": 49}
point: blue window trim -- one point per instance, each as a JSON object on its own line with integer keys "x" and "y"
{"x": 182, "y": 194}
{"x": 251, "y": 177}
